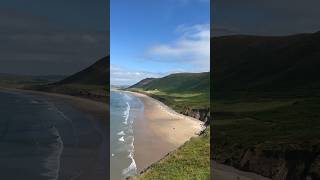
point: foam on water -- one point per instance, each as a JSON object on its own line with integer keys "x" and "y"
{"x": 126, "y": 114}
{"x": 121, "y": 133}
{"x": 132, "y": 169}
{"x": 123, "y": 151}
{"x": 121, "y": 139}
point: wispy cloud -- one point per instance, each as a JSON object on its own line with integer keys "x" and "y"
{"x": 191, "y": 47}
{"x": 124, "y": 76}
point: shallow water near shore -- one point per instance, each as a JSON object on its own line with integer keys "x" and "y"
{"x": 124, "y": 109}
{"x": 43, "y": 137}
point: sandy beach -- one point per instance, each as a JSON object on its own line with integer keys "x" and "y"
{"x": 163, "y": 130}
{"x": 160, "y": 131}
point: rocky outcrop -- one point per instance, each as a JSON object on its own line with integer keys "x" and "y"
{"x": 314, "y": 171}
{"x": 201, "y": 114}
{"x": 283, "y": 161}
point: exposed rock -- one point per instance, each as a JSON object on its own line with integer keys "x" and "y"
{"x": 314, "y": 172}
{"x": 201, "y": 114}
{"x": 283, "y": 161}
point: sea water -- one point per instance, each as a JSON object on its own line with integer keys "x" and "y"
{"x": 124, "y": 109}
{"x": 45, "y": 138}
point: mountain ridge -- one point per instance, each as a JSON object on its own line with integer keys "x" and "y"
{"x": 96, "y": 74}
{"x": 176, "y": 82}
{"x": 91, "y": 82}
{"x": 265, "y": 63}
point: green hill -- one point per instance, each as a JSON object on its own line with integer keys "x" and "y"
{"x": 274, "y": 65}
{"x": 187, "y": 93}
{"x": 96, "y": 74}
{"x": 265, "y": 103}
{"x": 92, "y": 82}
{"x": 19, "y": 81}
{"x": 180, "y": 82}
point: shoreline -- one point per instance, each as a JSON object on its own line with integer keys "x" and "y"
{"x": 85, "y": 104}
{"x": 166, "y": 130}
{"x": 79, "y": 123}
{"x": 164, "y": 146}
{"x": 219, "y": 171}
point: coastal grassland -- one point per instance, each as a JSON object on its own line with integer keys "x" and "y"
{"x": 81, "y": 90}
{"x": 178, "y": 100}
{"x": 180, "y": 91}
{"x": 274, "y": 126}
{"x": 91, "y": 82}
{"x": 190, "y": 161}
{"x": 20, "y": 81}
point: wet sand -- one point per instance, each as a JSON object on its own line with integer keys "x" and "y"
{"x": 160, "y": 131}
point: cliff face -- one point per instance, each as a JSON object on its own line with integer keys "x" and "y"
{"x": 293, "y": 162}
{"x": 282, "y": 161}
{"x": 201, "y": 114}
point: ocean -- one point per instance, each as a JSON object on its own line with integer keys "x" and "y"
{"x": 124, "y": 109}
{"x": 48, "y": 138}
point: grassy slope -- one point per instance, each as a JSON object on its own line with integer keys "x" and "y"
{"x": 75, "y": 89}
{"x": 178, "y": 101}
{"x": 96, "y": 74}
{"x": 241, "y": 125}
{"x": 179, "y": 91}
{"x": 266, "y": 99}
{"x": 274, "y": 131}
{"x": 91, "y": 82}
{"x": 190, "y": 161}
{"x": 260, "y": 65}
{"x": 20, "y": 81}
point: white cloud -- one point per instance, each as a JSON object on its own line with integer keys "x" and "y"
{"x": 191, "y": 47}
{"x": 124, "y": 76}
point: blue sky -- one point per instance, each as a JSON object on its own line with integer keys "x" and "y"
{"x": 156, "y": 38}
